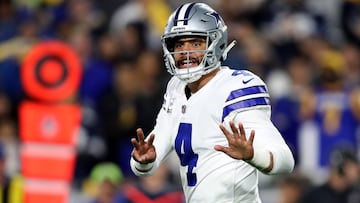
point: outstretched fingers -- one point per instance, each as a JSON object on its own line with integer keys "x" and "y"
{"x": 252, "y": 136}
{"x": 135, "y": 143}
{"x": 242, "y": 131}
{"x": 221, "y": 148}
{"x": 151, "y": 139}
{"x": 234, "y": 130}
{"x": 140, "y": 135}
{"x": 140, "y": 141}
{"x": 227, "y": 134}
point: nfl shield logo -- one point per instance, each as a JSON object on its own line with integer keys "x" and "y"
{"x": 183, "y": 108}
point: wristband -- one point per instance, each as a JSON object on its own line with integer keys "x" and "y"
{"x": 261, "y": 159}
{"x": 143, "y": 168}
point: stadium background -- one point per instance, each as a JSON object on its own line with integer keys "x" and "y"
{"x": 308, "y": 52}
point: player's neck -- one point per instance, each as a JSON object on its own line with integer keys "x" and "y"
{"x": 197, "y": 85}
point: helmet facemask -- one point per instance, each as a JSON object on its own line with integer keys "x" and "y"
{"x": 207, "y": 64}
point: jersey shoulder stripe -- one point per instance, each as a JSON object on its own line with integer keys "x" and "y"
{"x": 251, "y": 94}
{"x": 245, "y": 104}
{"x": 246, "y": 91}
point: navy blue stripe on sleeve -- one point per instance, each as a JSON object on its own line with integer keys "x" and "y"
{"x": 246, "y": 91}
{"x": 245, "y": 104}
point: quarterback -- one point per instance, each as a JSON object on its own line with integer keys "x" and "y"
{"x": 216, "y": 119}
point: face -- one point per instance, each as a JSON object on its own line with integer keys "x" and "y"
{"x": 352, "y": 170}
{"x": 188, "y": 51}
{"x": 107, "y": 192}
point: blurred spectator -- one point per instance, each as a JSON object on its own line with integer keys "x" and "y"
{"x": 150, "y": 75}
{"x": 157, "y": 188}
{"x": 118, "y": 114}
{"x": 344, "y": 174}
{"x": 131, "y": 102}
{"x": 7, "y": 21}
{"x": 258, "y": 54}
{"x": 239, "y": 32}
{"x": 151, "y": 83}
{"x": 292, "y": 187}
{"x": 27, "y": 35}
{"x": 106, "y": 49}
{"x": 255, "y": 12}
{"x": 9, "y": 139}
{"x": 95, "y": 81}
{"x": 351, "y": 55}
{"x": 152, "y": 14}
{"x": 330, "y": 109}
{"x": 81, "y": 14}
{"x": 350, "y": 21}
{"x": 327, "y": 16}
{"x": 12, "y": 52}
{"x": 104, "y": 184}
{"x": 9, "y": 135}
{"x": 6, "y": 107}
{"x": 96, "y": 78}
{"x": 286, "y": 87}
{"x": 11, "y": 187}
{"x": 135, "y": 34}
{"x": 291, "y": 22}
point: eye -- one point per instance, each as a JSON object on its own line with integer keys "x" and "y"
{"x": 178, "y": 45}
{"x": 197, "y": 44}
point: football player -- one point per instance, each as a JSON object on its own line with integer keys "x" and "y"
{"x": 216, "y": 119}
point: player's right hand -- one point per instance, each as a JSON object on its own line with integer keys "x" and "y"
{"x": 144, "y": 151}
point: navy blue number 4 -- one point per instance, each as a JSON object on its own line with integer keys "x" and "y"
{"x": 184, "y": 150}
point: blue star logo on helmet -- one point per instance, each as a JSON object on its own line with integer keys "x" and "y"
{"x": 216, "y": 16}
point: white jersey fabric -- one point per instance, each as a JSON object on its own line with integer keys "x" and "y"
{"x": 191, "y": 128}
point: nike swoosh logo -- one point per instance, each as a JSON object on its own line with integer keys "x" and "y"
{"x": 247, "y": 81}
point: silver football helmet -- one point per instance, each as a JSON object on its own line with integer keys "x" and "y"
{"x": 196, "y": 20}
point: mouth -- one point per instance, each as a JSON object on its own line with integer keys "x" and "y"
{"x": 186, "y": 63}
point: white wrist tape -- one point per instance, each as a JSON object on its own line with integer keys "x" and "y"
{"x": 261, "y": 159}
{"x": 143, "y": 167}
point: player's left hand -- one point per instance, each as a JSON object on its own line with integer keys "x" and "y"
{"x": 239, "y": 147}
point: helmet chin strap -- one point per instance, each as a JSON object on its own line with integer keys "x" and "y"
{"x": 192, "y": 79}
{"x": 227, "y": 49}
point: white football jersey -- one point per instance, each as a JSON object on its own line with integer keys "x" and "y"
{"x": 191, "y": 128}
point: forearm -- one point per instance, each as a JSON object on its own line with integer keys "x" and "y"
{"x": 283, "y": 159}
{"x": 263, "y": 160}
{"x": 276, "y": 159}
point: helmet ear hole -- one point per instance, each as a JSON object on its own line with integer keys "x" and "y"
{"x": 170, "y": 44}
{"x": 213, "y": 36}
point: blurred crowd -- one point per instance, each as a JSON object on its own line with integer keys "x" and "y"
{"x": 308, "y": 52}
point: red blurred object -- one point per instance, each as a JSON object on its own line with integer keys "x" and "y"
{"x": 49, "y": 123}
{"x": 48, "y": 162}
{"x": 46, "y": 192}
{"x": 51, "y": 71}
